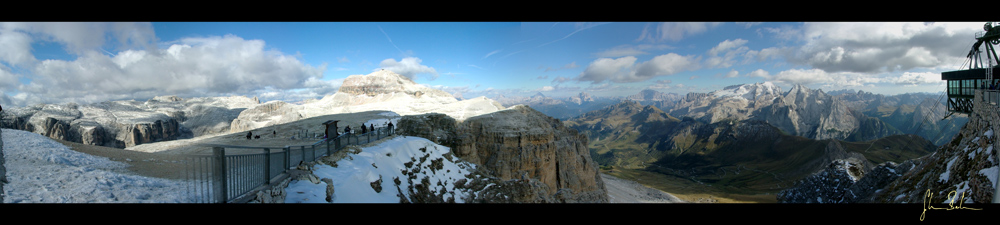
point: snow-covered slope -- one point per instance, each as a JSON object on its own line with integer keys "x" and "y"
{"x": 384, "y": 172}
{"x": 41, "y": 170}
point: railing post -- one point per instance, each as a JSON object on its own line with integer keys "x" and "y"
{"x": 303, "y": 150}
{"x": 267, "y": 166}
{"x": 219, "y": 154}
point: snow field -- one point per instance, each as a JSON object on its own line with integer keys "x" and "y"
{"x": 41, "y": 170}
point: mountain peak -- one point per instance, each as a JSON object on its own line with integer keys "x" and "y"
{"x": 749, "y": 91}
{"x": 385, "y": 82}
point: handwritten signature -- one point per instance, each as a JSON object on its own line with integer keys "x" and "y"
{"x": 951, "y": 205}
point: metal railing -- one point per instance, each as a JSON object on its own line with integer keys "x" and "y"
{"x": 236, "y": 177}
{"x": 991, "y": 96}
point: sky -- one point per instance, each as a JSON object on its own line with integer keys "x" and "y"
{"x": 60, "y": 62}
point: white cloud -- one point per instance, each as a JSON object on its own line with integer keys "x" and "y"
{"x": 804, "y": 77}
{"x": 605, "y": 68}
{"x": 884, "y": 47}
{"x": 546, "y": 88}
{"x": 661, "y": 84}
{"x": 561, "y": 79}
{"x": 625, "y": 69}
{"x": 730, "y": 50}
{"x": 408, "y": 67}
{"x": 732, "y": 74}
{"x": 726, "y": 45}
{"x": 491, "y": 53}
{"x": 760, "y": 73}
{"x": 631, "y": 50}
{"x": 663, "y": 65}
{"x": 16, "y": 48}
{"x": 910, "y": 78}
{"x": 79, "y": 37}
{"x": 674, "y": 31}
{"x": 192, "y": 66}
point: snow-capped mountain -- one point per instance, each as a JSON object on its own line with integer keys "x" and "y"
{"x": 738, "y": 102}
{"x": 800, "y": 111}
{"x": 380, "y": 90}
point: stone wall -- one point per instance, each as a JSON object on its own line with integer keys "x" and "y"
{"x": 985, "y": 115}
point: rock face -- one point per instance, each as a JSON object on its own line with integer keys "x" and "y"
{"x": 848, "y": 180}
{"x": 522, "y": 143}
{"x": 519, "y": 143}
{"x": 967, "y": 165}
{"x": 122, "y": 124}
{"x": 437, "y": 127}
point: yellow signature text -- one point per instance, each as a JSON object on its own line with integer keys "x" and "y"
{"x": 951, "y": 204}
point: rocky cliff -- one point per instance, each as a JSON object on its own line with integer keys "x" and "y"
{"x": 967, "y": 165}
{"x": 519, "y": 143}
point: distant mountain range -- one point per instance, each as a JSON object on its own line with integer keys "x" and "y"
{"x": 750, "y": 154}
{"x": 848, "y": 115}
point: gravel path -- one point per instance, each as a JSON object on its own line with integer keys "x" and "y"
{"x": 627, "y": 191}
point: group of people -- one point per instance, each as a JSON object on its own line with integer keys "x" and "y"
{"x": 364, "y": 129}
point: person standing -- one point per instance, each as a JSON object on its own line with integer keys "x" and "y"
{"x": 390, "y": 128}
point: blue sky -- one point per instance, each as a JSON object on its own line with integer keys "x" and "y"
{"x": 292, "y": 61}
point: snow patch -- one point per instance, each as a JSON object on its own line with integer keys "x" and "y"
{"x": 944, "y": 176}
{"x": 991, "y": 173}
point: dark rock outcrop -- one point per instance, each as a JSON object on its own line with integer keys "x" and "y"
{"x": 849, "y": 180}
{"x": 437, "y": 127}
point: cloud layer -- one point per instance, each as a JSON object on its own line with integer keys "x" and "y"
{"x": 625, "y": 69}
{"x": 408, "y": 67}
{"x": 204, "y": 66}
